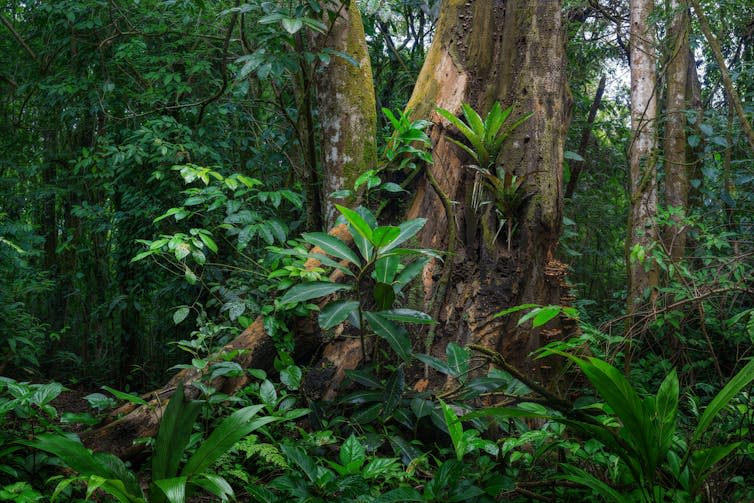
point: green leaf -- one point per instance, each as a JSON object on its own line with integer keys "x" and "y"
{"x": 408, "y": 273}
{"x": 407, "y": 316}
{"x": 291, "y": 25}
{"x": 473, "y": 119}
{"x": 435, "y": 363}
{"x": 455, "y": 430}
{"x": 407, "y": 230}
{"x": 267, "y": 394}
{"x": 175, "y": 431}
{"x": 291, "y": 377}
{"x": 515, "y": 309}
{"x": 703, "y": 460}
{"x": 394, "y": 389}
{"x": 579, "y": 476}
{"x": 332, "y": 246}
{"x": 216, "y": 485}
{"x": 352, "y": 451}
{"x": 666, "y": 405}
{"x": 421, "y": 407}
{"x": 384, "y": 295}
{"x": 399, "y": 495}
{"x": 180, "y": 314}
{"x": 231, "y": 430}
{"x": 734, "y": 386}
{"x": 385, "y": 269}
{"x": 174, "y": 489}
{"x": 126, "y": 396}
{"x": 395, "y": 336}
{"x": 384, "y": 236}
{"x": 356, "y": 221}
{"x": 458, "y": 360}
{"x": 572, "y": 156}
{"x": 311, "y": 290}
{"x": 336, "y": 312}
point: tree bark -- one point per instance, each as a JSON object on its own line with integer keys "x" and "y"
{"x": 676, "y": 167}
{"x": 642, "y": 152}
{"x": 512, "y": 52}
{"x": 346, "y": 102}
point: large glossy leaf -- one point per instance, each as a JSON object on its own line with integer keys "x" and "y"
{"x": 173, "y": 489}
{"x": 175, "y": 431}
{"x": 407, "y": 231}
{"x": 311, "y": 290}
{"x": 455, "y": 430}
{"x": 336, "y": 312}
{"x": 385, "y": 269}
{"x": 232, "y": 429}
{"x": 435, "y": 363}
{"x": 332, "y": 246}
{"x": 734, "y": 386}
{"x": 408, "y": 273}
{"x": 357, "y": 222}
{"x": 383, "y": 236}
{"x": 394, "y": 335}
{"x": 384, "y": 295}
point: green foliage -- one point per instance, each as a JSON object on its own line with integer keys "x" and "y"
{"x": 376, "y": 274}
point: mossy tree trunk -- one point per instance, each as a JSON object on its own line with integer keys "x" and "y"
{"x": 483, "y": 52}
{"x": 346, "y": 103}
{"x": 642, "y": 153}
{"x": 676, "y": 167}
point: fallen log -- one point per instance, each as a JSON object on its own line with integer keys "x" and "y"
{"x": 132, "y": 422}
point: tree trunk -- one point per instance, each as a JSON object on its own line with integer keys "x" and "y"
{"x": 512, "y": 52}
{"x": 676, "y": 172}
{"x": 346, "y": 101}
{"x": 642, "y": 152}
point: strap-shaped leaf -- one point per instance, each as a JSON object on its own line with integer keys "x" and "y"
{"x": 335, "y": 313}
{"x": 215, "y": 484}
{"x": 175, "y": 431}
{"x": 232, "y": 429}
{"x": 721, "y": 400}
{"x": 311, "y": 290}
{"x": 332, "y": 246}
{"x": 507, "y": 131}
{"x": 473, "y": 119}
{"x": 394, "y": 335}
{"x": 174, "y": 488}
{"x": 476, "y": 141}
{"x": 405, "y": 315}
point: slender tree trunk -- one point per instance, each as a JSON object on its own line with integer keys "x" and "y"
{"x": 642, "y": 152}
{"x": 578, "y": 166}
{"x": 676, "y": 166}
{"x": 345, "y": 97}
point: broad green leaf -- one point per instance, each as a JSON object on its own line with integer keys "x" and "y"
{"x": 357, "y": 222}
{"x": 180, "y": 314}
{"x": 395, "y": 336}
{"x": 311, "y": 290}
{"x": 407, "y": 316}
{"x": 384, "y": 236}
{"x": 291, "y": 25}
{"x": 407, "y": 230}
{"x": 174, "y": 489}
{"x": 400, "y": 495}
{"x": 175, "y": 431}
{"x": 267, "y": 393}
{"x": 394, "y": 389}
{"x": 421, "y": 407}
{"x": 705, "y": 459}
{"x": 408, "y": 273}
{"x": 336, "y": 312}
{"x": 734, "y": 386}
{"x": 231, "y": 430}
{"x": 291, "y": 377}
{"x": 458, "y": 360}
{"x": 352, "y": 451}
{"x": 297, "y": 456}
{"x": 332, "y": 246}
{"x": 326, "y": 261}
{"x": 384, "y": 296}
{"x": 515, "y": 309}
{"x": 385, "y": 269}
